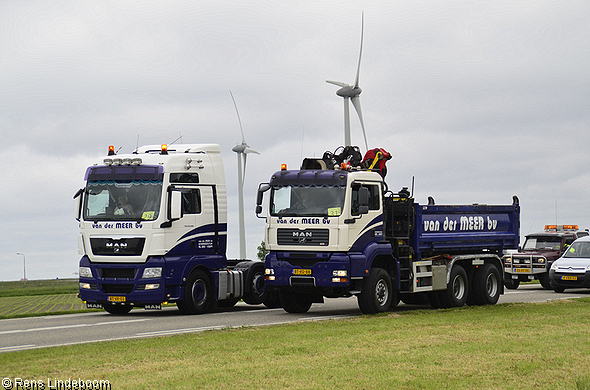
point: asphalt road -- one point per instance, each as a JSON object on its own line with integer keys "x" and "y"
{"x": 41, "y": 332}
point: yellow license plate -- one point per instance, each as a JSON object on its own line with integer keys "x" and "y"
{"x": 300, "y": 271}
{"x": 116, "y": 299}
{"x": 521, "y": 270}
{"x": 567, "y": 277}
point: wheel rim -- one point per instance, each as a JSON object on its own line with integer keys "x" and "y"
{"x": 492, "y": 285}
{"x": 459, "y": 287}
{"x": 199, "y": 291}
{"x": 381, "y": 292}
{"x": 259, "y": 284}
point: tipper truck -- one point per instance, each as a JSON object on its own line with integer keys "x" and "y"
{"x": 153, "y": 230}
{"x": 333, "y": 229}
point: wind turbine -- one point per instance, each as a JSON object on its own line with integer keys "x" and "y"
{"x": 352, "y": 92}
{"x": 242, "y": 151}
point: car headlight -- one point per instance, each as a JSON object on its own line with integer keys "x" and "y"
{"x": 85, "y": 272}
{"x": 153, "y": 272}
{"x": 554, "y": 266}
{"x": 507, "y": 260}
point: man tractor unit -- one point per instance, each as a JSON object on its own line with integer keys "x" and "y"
{"x": 153, "y": 230}
{"x": 333, "y": 229}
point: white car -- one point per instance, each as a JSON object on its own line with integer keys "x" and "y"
{"x": 572, "y": 269}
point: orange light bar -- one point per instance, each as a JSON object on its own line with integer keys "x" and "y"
{"x": 550, "y": 227}
{"x": 343, "y": 166}
{"x": 164, "y": 149}
{"x": 283, "y": 167}
{"x": 560, "y": 227}
{"x": 111, "y": 150}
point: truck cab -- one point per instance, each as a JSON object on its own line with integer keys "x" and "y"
{"x": 533, "y": 260}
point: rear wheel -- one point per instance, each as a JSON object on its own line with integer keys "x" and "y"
{"x": 117, "y": 309}
{"x": 558, "y": 289}
{"x": 198, "y": 294}
{"x": 457, "y": 290}
{"x": 486, "y": 285}
{"x": 545, "y": 283}
{"x": 377, "y": 293}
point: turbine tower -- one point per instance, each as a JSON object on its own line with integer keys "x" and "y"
{"x": 352, "y": 92}
{"x": 242, "y": 151}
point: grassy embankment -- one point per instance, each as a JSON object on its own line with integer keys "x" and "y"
{"x": 508, "y": 346}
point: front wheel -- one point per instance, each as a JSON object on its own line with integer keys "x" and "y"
{"x": 486, "y": 285}
{"x": 198, "y": 294}
{"x": 294, "y": 303}
{"x": 377, "y": 293}
{"x": 117, "y": 309}
{"x": 545, "y": 282}
{"x": 258, "y": 291}
{"x": 511, "y": 284}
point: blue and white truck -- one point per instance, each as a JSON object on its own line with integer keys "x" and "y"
{"x": 153, "y": 230}
{"x": 336, "y": 231}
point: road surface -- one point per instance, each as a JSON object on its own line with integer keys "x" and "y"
{"x": 58, "y": 330}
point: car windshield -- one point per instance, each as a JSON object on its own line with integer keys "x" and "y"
{"x": 123, "y": 200}
{"x": 578, "y": 249}
{"x": 307, "y": 201}
{"x": 537, "y": 243}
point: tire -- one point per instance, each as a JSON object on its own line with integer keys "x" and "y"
{"x": 435, "y": 299}
{"x": 457, "y": 290}
{"x": 558, "y": 289}
{"x": 198, "y": 294}
{"x": 117, "y": 309}
{"x": 377, "y": 293}
{"x": 294, "y": 303}
{"x": 486, "y": 285}
{"x": 545, "y": 282}
{"x": 258, "y": 292}
{"x": 511, "y": 284}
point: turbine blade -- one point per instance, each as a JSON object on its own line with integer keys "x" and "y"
{"x": 356, "y": 102}
{"x": 358, "y": 69}
{"x": 239, "y": 120}
{"x": 249, "y": 150}
{"x": 338, "y": 83}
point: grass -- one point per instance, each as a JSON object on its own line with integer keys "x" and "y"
{"x": 508, "y": 346}
{"x": 39, "y": 297}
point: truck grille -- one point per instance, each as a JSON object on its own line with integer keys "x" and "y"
{"x": 127, "y": 246}
{"x": 117, "y": 273}
{"x": 304, "y": 237}
{"x": 117, "y": 288}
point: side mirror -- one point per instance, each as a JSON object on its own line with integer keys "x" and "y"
{"x": 175, "y": 205}
{"x": 262, "y": 188}
{"x": 79, "y": 199}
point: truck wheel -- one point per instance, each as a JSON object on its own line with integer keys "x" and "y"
{"x": 198, "y": 294}
{"x": 544, "y": 280}
{"x": 435, "y": 299}
{"x": 377, "y": 293}
{"x": 486, "y": 285}
{"x": 258, "y": 291}
{"x": 117, "y": 309}
{"x": 457, "y": 290}
{"x": 558, "y": 289}
{"x": 294, "y": 303}
{"x": 511, "y": 284}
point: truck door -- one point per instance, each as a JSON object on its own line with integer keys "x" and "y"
{"x": 197, "y": 230}
{"x": 363, "y": 229}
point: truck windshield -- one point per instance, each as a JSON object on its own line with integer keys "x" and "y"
{"x": 123, "y": 200}
{"x": 539, "y": 243}
{"x": 578, "y": 249}
{"x": 307, "y": 201}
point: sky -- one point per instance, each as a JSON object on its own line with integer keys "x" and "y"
{"x": 476, "y": 101}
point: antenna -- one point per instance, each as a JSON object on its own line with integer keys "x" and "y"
{"x": 180, "y": 137}
{"x": 352, "y": 92}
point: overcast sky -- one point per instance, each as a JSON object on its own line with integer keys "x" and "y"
{"x": 476, "y": 100}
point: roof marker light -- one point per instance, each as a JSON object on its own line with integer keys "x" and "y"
{"x": 164, "y": 149}
{"x": 283, "y": 167}
{"x": 111, "y": 150}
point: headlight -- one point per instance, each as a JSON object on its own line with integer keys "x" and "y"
{"x": 85, "y": 272}
{"x": 269, "y": 271}
{"x": 340, "y": 272}
{"x": 154, "y": 272}
{"x": 507, "y": 260}
{"x": 554, "y": 266}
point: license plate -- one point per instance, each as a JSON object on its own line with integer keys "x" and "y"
{"x": 522, "y": 270}
{"x": 116, "y": 299}
{"x": 93, "y": 305}
{"x": 567, "y": 277}
{"x": 300, "y": 271}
